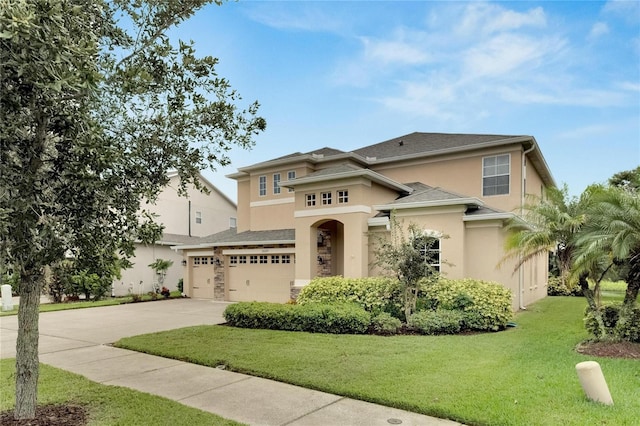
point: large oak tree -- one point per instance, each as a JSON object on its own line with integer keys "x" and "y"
{"x": 97, "y": 105}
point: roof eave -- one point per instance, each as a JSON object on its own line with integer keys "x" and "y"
{"x": 435, "y": 203}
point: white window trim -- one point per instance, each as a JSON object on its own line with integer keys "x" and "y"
{"x": 483, "y": 176}
{"x": 276, "y": 183}
{"x": 261, "y": 179}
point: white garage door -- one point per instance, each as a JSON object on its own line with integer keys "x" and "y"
{"x": 202, "y": 277}
{"x": 262, "y": 278}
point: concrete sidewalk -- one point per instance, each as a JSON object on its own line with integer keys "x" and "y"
{"x": 78, "y": 341}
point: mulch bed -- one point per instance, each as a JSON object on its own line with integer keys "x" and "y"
{"x": 626, "y": 350}
{"x": 49, "y": 415}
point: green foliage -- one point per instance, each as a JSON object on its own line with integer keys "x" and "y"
{"x": 609, "y": 323}
{"x": 408, "y": 255}
{"x": 90, "y": 284}
{"x": 160, "y": 266}
{"x": 440, "y": 321}
{"x": 181, "y": 285}
{"x": 375, "y": 294}
{"x": 485, "y": 305}
{"x": 344, "y": 318}
{"x": 60, "y": 282}
{"x": 556, "y": 287}
{"x": 384, "y": 323}
{"x": 95, "y": 114}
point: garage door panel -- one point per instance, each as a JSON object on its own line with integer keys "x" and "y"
{"x": 260, "y": 282}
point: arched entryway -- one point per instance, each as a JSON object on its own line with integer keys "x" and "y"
{"x": 329, "y": 248}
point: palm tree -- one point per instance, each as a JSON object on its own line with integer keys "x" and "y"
{"x": 613, "y": 235}
{"x": 550, "y": 223}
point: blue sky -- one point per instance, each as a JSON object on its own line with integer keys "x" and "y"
{"x": 350, "y": 74}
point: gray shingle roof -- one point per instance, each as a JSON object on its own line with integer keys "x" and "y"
{"x": 422, "y": 193}
{"x": 232, "y": 236}
{"x": 424, "y": 143}
{"x": 172, "y": 239}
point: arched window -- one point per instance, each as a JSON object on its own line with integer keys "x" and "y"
{"x": 428, "y": 244}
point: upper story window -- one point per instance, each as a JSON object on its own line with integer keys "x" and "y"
{"x": 233, "y": 222}
{"x": 198, "y": 217}
{"x": 311, "y": 200}
{"x": 496, "y": 175}
{"x": 276, "y": 183}
{"x": 291, "y": 175}
{"x": 262, "y": 186}
{"x": 326, "y": 198}
{"x": 343, "y": 196}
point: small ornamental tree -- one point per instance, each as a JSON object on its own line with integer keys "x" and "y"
{"x": 409, "y": 256}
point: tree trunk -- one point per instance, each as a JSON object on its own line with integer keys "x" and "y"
{"x": 587, "y": 292}
{"x": 27, "y": 362}
{"x": 633, "y": 279}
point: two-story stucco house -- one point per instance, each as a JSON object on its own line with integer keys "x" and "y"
{"x": 185, "y": 220}
{"x": 313, "y": 214}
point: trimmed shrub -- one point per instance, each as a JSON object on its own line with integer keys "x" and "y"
{"x": 485, "y": 305}
{"x": 344, "y": 318}
{"x": 556, "y": 288}
{"x": 616, "y": 326}
{"x": 384, "y": 323}
{"x": 628, "y": 328}
{"x": 441, "y": 321}
{"x": 374, "y": 294}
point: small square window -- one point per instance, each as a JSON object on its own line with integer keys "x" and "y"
{"x": 311, "y": 200}
{"x": 253, "y": 259}
{"x": 264, "y": 259}
{"x": 343, "y": 196}
{"x": 196, "y": 260}
{"x": 286, "y": 258}
{"x": 326, "y": 198}
{"x": 242, "y": 259}
{"x": 233, "y": 260}
{"x": 205, "y": 260}
{"x": 275, "y": 259}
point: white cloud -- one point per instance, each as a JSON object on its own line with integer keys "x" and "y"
{"x": 393, "y": 52}
{"x": 290, "y": 17}
{"x": 598, "y": 29}
{"x": 506, "y": 53}
{"x": 485, "y": 18}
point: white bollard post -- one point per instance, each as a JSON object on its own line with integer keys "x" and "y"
{"x": 7, "y": 302}
{"x": 593, "y": 382}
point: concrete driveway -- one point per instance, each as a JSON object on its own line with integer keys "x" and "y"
{"x": 77, "y": 341}
{"x": 76, "y": 328}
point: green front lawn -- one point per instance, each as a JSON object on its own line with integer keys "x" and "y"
{"x": 525, "y": 375}
{"x": 107, "y": 405}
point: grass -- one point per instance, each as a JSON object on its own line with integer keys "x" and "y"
{"x": 108, "y": 405}
{"x": 110, "y": 301}
{"x": 524, "y": 375}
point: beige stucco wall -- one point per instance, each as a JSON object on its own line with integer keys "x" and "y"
{"x": 462, "y": 174}
{"x": 173, "y": 211}
{"x": 446, "y": 221}
{"x": 146, "y": 254}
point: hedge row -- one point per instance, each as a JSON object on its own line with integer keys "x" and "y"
{"x": 374, "y": 294}
{"x": 485, "y": 305}
{"x": 335, "y": 318}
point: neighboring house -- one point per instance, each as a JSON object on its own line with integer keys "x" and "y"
{"x": 312, "y": 214}
{"x": 185, "y": 220}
